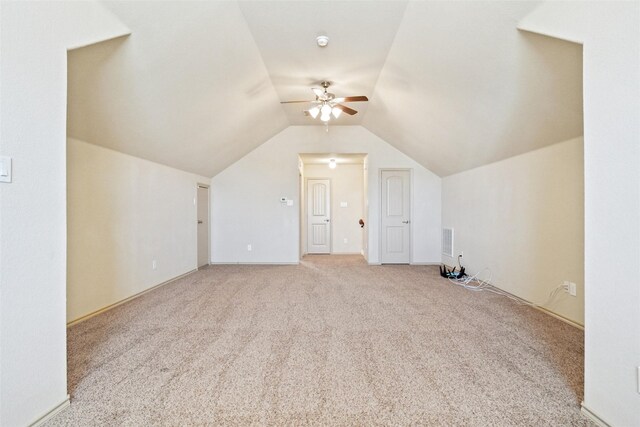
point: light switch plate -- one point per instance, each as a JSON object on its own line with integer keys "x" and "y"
{"x": 5, "y": 169}
{"x": 343, "y": 204}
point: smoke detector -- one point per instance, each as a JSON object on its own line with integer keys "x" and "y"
{"x": 322, "y": 41}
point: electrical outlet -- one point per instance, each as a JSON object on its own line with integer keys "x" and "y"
{"x": 249, "y": 247}
{"x": 569, "y": 287}
{"x": 345, "y": 240}
{"x": 154, "y": 264}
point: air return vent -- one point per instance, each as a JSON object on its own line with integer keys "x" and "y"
{"x": 447, "y": 242}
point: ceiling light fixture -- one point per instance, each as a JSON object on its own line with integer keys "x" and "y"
{"x": 314, "y": 112}
{"x": 332, "y": 163}
{"x": 322, "y": 41}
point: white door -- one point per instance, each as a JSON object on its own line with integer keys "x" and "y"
{"x": 395, "y": 234}
{"x": 318, "y": 216}
{"x": 203, "y": 225}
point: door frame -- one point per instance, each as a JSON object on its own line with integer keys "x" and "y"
{"x": 306, "y": 215}
{"x": 381, "y": 210}
{"x": 208, "y": 187}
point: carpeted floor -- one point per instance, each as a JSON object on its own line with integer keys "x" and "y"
{"x": 331, "y": 341}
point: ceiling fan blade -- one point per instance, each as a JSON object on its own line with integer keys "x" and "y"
{"x": 295, "y": 102}
{"x": 352, "y": 99}
{"x": 318, "y": 92}
{"x": 345, "y": 109}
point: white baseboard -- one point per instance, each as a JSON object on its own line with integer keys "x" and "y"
{"x": 559, "y": 317}
{"x": 110, "y": 306}
{"x": 542, "y": 309}
{"x": 52, "y": 413}
{"x": 255, "y": 263}
{"x": 593, "y": 417}
{"x": 425, "y": 263}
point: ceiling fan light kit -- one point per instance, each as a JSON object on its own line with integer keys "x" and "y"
{"x": 327, "y": 105}
{"x": 314, "y": 112}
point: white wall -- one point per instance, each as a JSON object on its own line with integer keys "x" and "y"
{"x": 35, "y": 36}
{"x": 523, "y": 218}
{"x": 246, "y": 207}
{"x": 123, "y": 213}
{"x": 609, "y": 32}
{"x": 346, "y": 186}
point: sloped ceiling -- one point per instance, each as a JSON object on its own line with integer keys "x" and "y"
{"x": 198, "y": 84}
{"x": 187, "y": 88}
{"x": 462, "y": 87}
{"x": 360, "y": 33}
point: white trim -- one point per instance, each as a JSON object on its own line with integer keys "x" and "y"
{"x": 542, "y": 309}
{"x": 52, "y": 412}
{"x": 591, "y": 416}
{"x": 425, "y": 263}
{"x": 259, "y": 263}
{"x": 559, "y": 317}
{"x": 110, "y": 306}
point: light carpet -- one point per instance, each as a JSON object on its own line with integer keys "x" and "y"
{"x": 332, "y": 341}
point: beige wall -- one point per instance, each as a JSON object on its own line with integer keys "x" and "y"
{"x": 346, "y": 186}
{"x": 246, "y": 205}
{"x": 523, "y": 218}
{"x": 124, "y": 213}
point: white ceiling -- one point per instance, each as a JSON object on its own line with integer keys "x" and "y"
{"x": 360, "y": 33}
{"x": 198, "y": 84}
{"x": 187, "y": 89}
{"x": 462, "y": 87}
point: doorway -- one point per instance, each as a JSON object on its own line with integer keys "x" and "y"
{"x": 395, "y": 224}
{"x": 333, "y": 203}
{"x": 203, "y": 225}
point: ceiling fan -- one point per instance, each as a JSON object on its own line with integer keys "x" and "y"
{"x": 326, "y": 104}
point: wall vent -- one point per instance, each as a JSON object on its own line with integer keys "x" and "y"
{"x": 447, "y": 242}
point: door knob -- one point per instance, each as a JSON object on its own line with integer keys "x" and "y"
{"x": 326, "y": 220}
{"x": 199, "y": 221}
{"x": 406, "y": 222}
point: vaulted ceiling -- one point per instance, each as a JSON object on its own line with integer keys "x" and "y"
{"x": 197, "y": 85}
